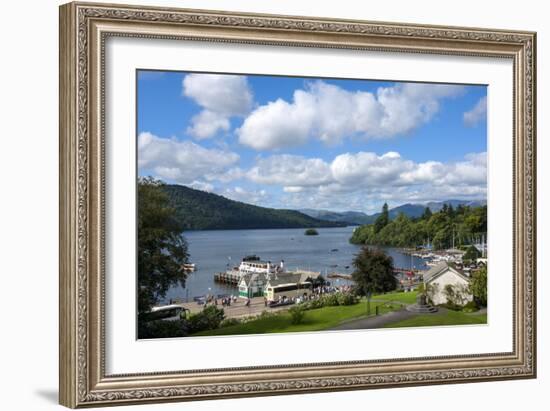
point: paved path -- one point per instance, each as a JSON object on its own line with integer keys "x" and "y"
{"x": 382, "y": 320}
{"x": 376, "y": 321}
{"x": 239, "y": 309}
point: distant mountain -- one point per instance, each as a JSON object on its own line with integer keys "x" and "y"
{"x": 436, "y": 206}
{"x": 350, "y": 217}
{"x": 410, "y": 210}
{"x": 199, "y": 210}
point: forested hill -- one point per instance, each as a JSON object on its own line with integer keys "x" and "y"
{"x": 199, "y": 210}
{"x": 445, "y": 228}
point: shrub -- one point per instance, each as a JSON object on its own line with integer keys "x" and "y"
{"x": 228, "y": 322}
{"x": 311, "y": 231}
{"x": 346, "y": 299}
{"x": 297, "y": 313}
{"x": 330, "y": 300}
{"x": 267, "y": 314}
{"x": 209, "y": 318}
{"x": 163, "y": 329}
{"x": 470, "y": 307}
{"x": 471, "y": 254}
{"x": 452, "y": 306}
{"x": 313, "y": 304}
{"x": 478, "y": 286}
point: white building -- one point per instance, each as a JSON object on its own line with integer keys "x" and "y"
{"x": 439, "y": 277}
{"x": 255, "y": 284}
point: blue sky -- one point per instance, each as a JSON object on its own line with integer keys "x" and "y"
{"x": 336, "y": 144}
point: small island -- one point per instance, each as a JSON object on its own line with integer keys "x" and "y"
{"x": 311, "y": 231}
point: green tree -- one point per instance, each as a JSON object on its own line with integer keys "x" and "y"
{"x": 441, "y": 239}
{"x": 209, "y": 318}
{"x": 426, "y": 215}
{"x": 383, "y": 219}
{"x": 162, "y": 250}
{"x": 471, "y": 254}
{"x": 297, "y": 313}
{"x": 478, "y": 286}
{"x": 442, "y": 229}
{"x": 373, "y": 273}
{"x": 311, "y": 231}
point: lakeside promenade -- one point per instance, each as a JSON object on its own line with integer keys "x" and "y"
{"x": 237, "y": 309}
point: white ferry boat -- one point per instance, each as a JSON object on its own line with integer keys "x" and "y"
{"x": 249, "y": 265}
{"x": 253, "y": 276}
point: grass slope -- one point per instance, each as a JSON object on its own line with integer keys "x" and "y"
{"x": 329, "y": 317}
{"x": 447, "y": 318}
{"x": 314, "y": 320}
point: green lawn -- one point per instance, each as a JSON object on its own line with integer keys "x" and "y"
{"x": 405, "y": 298}
{"x": 446, "y": 318}
{"x": 329, "y": 317}
{"x": 314, "y": 320}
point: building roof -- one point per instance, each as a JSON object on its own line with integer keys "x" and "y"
{"x": 440, "y": 269}
{"x": 285, "y": 278}
{"x": 291, "y": 277}
{"x": 248, "y": 278}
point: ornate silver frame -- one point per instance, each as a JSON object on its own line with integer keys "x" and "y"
{"x": 83, "y": 30}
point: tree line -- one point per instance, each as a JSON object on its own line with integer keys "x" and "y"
{"x": 449, "y": 226}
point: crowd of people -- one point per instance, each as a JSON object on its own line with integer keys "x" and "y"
{"x": 317, "y": 292}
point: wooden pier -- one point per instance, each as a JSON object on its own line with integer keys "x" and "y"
{"x": 225, "y": 278}
{"x": 340, "y": 275}
{"x": 396, "y": 270}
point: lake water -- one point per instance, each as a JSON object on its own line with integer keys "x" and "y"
{"x": 217, "y": 250}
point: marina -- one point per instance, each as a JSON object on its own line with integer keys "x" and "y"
{"x": 216, "y": 253}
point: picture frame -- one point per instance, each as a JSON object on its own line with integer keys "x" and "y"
{"x": 84, "y": 30}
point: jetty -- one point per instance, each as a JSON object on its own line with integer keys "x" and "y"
{"x": 396, "y": 270}
{"x": 339, "y": 275}
{"x": 228, "y": 278}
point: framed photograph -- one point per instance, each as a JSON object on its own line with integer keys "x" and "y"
{"x": 261, "y": 205}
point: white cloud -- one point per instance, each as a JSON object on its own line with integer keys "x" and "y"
{"x": 290, "y": 170}
{"x": 477, "y": 114}
{"x": 201, "y": 185}
{"x": 206, "y": 124}
{"x": 424, "y": 173}
{"x": 181, "y": 161}
{"x": 471, "y": 171}
{"x": 232, "y": 174}
{"x": 246, "y": 196}
{"x": 354, "y": 181}
{"x": 366, "y": 168}
{"x": 278, "y": 124}
{"x": 221, "y": 93}
{"x": 221, "y": 96}
{"x": 331, "y": 113}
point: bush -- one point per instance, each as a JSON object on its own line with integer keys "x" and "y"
{"x": 452, "y": 306}
{"x": 478, "y": 286}
{"x": 313, "y": 304}
{"x": 330, "y": 300}
{"x": 228, "y": 322}
{"x": 470, "y": 307}
{"x": 209, "y": 318}
{"x": 297, "y": 313}
{"x": 163, "y": 329}
{"x": 346, "y": 299}
{"x": 471, "y": 254}
{"x": 267, "y": 314}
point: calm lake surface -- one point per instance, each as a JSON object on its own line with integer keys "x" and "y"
{"x": 216, "y": 251}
